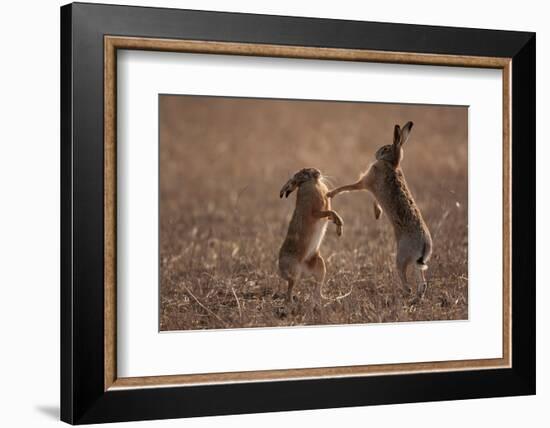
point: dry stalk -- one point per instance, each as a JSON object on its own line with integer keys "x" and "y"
{"x": 238, "y": 304}
{"x": 204, "y": 307}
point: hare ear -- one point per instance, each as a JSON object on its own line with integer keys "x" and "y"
{"x": 397, "y": 152}
{"x": 405, "y": 132}
{"x": 396, "y": 135}
{"x": 288, "y": 188}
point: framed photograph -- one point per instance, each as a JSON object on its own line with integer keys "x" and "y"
{"x": 265, "y": 213}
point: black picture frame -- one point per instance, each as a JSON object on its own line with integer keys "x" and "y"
{"x": 83, "y": 399}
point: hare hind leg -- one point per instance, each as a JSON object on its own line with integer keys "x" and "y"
{"x": 290, "y": 270}
{"x": 403, "y": 260}
{"x": 422, "y": 285}
{"x": 291, "y": 283}
{"x": 316, "y": 265}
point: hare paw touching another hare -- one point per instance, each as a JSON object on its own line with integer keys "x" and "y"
{"x": 337, "y": 220}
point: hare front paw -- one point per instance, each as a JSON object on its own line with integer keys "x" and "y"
{"x": 339, "y": 224}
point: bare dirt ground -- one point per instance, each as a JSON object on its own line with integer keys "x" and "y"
{"x": 222, "y": 163}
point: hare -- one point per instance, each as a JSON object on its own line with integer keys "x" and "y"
{"x": 300, "y": 250}
{"x": 385, "y": 180}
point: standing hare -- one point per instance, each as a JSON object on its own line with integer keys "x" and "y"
{"x": 385, "y": 180}
{"x": 300, "y": 250}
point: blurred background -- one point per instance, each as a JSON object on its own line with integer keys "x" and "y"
{"x": 222, "y": 164}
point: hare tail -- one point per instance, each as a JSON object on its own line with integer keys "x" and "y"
{"x": 421, "y": 265}
{"x": 421, "y": 262}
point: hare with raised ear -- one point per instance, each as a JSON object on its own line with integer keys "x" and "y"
{"x": 300, "y": 250}
{"x": 385, "y": 180}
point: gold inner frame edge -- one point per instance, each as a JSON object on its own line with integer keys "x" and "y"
{"x": 113, "y": 43}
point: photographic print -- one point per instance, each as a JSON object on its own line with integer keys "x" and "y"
{"x": 279, "y": 212}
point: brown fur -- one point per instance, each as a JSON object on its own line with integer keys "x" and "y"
{"x": 300, "y": 250}
{"x": 385, "y": 180}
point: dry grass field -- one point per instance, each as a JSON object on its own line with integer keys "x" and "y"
{"x": 222, "y": 164}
